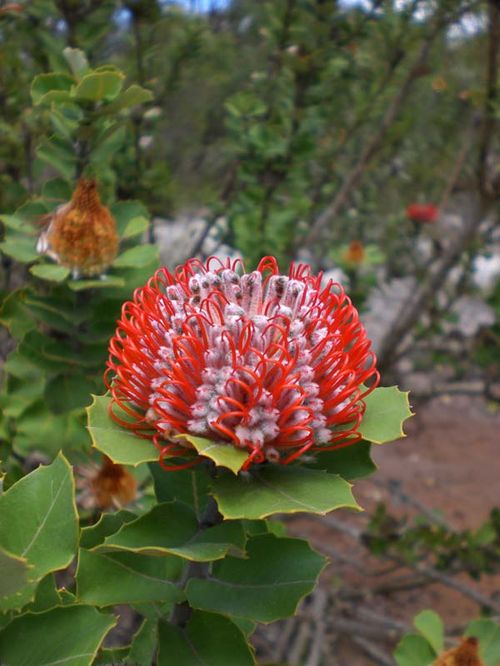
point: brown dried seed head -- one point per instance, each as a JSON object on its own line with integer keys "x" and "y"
{"x": 82, "y": 234}
{"x": 466, "y": 654}
{"x": 112, "y": 485}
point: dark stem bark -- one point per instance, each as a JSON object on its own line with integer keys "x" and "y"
{"x": 182, "y": 612}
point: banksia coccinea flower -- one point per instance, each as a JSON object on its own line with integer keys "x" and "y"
{"x": 422, "y": 212}
{"x": 272, "y": 364}
{"x": 81, "y": 234}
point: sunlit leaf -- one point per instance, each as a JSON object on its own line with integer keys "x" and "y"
{"x": 119, "y": 444}
{"x": 387, "y": 408}
{"x": 280, "y": 489}
{"x": 223, "y": 454}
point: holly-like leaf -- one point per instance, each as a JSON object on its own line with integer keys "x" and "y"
{"x": 132, "y": 96}
{"x": 46, "y": 595}
{"x": 50, "y": 272}
{"x": 13, "y": 573}
{"x": 105, "y": 282}
{"x": 67, "y": 635}
{"x": 414, "y": 650}
{"x": 135, "y": 227}
{"x": 119, "y": 444}
{"x": 279, "y": 489}
{"x": 179, "y": 535}
{"x": 207, "y": 639}
{"x": 387, "y": 408}
{"x": 143, "y": 646}
{"x": 488, "y": 634}
{"x": 38, "y": 519}
{"x": 97, "y": 86}
{"x": 431, "y": 627}
{"x": 141, "y": 255}
{"x": 108, "y": 523}
{"x": 20, "y": 248}
{"x": 47, "y": 83}
{"x": 267, "y": 586}
{"x": 350, "y": 462}
{"x": 108, "y": 579}
{"x": 77, "y": 60}
{"x": 190, "y": 486}
{"x": 223, "y": 454}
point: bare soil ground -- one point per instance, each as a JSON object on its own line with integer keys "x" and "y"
{"x": 449, "y": 461}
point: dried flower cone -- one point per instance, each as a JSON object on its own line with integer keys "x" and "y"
{"x": 82, "y": 233}
{"x": 466, "y": 654}
{"x": 107, "y": 486}
{"x": 355, "y": 254}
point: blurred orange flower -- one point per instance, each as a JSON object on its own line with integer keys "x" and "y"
{"x": 355, "y": 254}
{"x": 106, "y": 486}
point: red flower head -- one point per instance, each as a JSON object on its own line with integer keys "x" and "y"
{"x": 270, "y": 363}
{"x": 422, "y": 212}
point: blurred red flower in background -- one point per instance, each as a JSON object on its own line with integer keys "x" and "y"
{"x": 273, "y": 364}
{"x": 422, "y": 212}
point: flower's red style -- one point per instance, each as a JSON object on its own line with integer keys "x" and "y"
{"x": 81, "y": 234}
{"x": 422, "y": 212}
{"x": 272, "y": 364}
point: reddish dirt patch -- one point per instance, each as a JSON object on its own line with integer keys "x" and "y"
{"x": 449, "y": 461}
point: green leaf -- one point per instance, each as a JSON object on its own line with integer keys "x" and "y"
{"x": 20, "y": 248}
{"x": 414, "y": 650}
{"x": 108, "y": 523}
{"x": 208, "y": 639}
{"x": 108, "y": 579}
{"x": 77, "y": 61}
{"x": 187, "y": 485}
{"x": 97, "y": 86}
{"x": 16, "y": 315}
{"x": 280, "y": 489}
{"x": 50, "y": 272}
{"x": 223, "y": 454}
{"x": 132, "y": 96}
{"x": 68, "y": 635}
{"x": 46, "y": 595}
{"x": 58, "y": 190}
{"x": 38, "y": 518}
{"x": 125, "y": 211}
{"x": 135, "y": 227}
{"x": 488, "y": 634}
{"x": 350, "y": 462}
{"x": 143, "y": 646}
{"x": 105, "y": 282}
{"x": 179, "y": 535}
{"x": 386, "y": 410}
{"x": 141, "y": 255}
{"x": 59, "y": 155}
{"x": 47, "y": 83}
{"x": 265, "y": 587}
{"x": 119, "y": 444}
{"x": 431, "y": 627}
{"x": 13, "y": 573}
